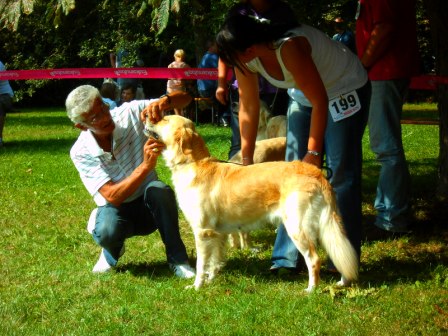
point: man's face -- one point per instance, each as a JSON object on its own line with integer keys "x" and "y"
{"x": 127, "y": 95}
{"x": 98, "y": 119}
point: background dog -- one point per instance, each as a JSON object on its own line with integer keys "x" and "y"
{"x": 264, "y": 116}
{"x": 276, "y": 127}
{"x": 219, "y": 198}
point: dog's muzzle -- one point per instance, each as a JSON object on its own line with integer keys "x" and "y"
{"x": 150, "y": 133}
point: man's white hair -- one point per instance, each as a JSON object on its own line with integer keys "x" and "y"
{"x": 80, "y": 101}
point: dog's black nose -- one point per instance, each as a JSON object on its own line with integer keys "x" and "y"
{"x": 150, "y": 133}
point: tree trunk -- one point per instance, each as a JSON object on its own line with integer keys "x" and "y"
{"x": 437, "y": 11}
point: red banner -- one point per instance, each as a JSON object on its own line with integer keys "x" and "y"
{"x": 424, "y": 82}
{"x": 184, "y": 73}
{"x": 427, "y": 82}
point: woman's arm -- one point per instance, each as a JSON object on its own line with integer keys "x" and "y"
{"x": 222, "y": 91}
{"x": 249, "y": 110}
{"x": 296, "y": 55}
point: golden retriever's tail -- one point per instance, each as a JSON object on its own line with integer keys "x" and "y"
{"x": 333, "y": 238}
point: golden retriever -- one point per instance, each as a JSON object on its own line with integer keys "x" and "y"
{"x": 265, "y": 151}
{"x": 276, "y": 127}
{"x": 218, "y": 198}
{"x": 263, "y": 119}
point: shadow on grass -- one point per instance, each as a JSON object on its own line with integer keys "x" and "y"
{"x": 145, "y": 269}
{"x": 38, "y": 145}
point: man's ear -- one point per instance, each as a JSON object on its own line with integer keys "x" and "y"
{"x": 81, "y": 127}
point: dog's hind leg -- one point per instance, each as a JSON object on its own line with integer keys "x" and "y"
{"x": 307, "y": 248}
{"x": 295, "y": 220}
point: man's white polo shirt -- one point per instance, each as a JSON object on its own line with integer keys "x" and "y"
{"x": 97, "y": 167}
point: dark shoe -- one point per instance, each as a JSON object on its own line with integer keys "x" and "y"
{"x": 282, "y": 271}
{"x": 373, "y": 233}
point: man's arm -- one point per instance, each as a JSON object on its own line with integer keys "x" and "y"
{"x": 176, "y": 99}
{"x": 117, "y": 193}
{"x": 378, "y": 43}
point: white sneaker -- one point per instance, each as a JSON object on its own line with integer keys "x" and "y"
{"x": 92, "y": 221}
{"x": 183, "y": 271}
{"x": 102, "y": 266}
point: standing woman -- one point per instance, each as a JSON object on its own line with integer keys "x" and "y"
{"x": 327, "y": 114}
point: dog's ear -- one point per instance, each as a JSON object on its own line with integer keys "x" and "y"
{"x": 191, "y": 144}
{"x": 186, "y": 140}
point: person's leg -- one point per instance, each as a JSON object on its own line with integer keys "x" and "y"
{"x": 235, "y": 144}
{"x": 113, "y": 226}
{"x": 160, "y": 203}
{"x": 285, "y": 253}
{"x": 343, "y": 151}
{"x": 393, "y": 189}
{"x": 2, "y": 124}
{"x": 5, "y": 106}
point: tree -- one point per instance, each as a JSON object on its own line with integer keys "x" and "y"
{"x": 52, "y": 33}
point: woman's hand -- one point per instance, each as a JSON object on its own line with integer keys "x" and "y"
{"x": 313, "y": 159}
{"x": 222, "y": 92}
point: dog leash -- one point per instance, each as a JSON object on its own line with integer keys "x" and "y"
{"x": 328, "y": 173}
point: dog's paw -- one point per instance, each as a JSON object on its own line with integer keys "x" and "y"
{"x": 343, "y": 283}
{"x": 189, "y": 287}
{"x": 309, "y": 289}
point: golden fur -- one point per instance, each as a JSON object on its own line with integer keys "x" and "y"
{"x": 219, "y": 198}
{"x": 276, "y": 127}
{"x": 265, "y": 151}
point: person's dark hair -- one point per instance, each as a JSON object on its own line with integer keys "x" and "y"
{"x": 130, "y": 86}
{"x": 108, "y": 90}
{"x": 243, "y": 29}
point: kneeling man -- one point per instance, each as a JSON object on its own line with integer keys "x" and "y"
{"x": 116, "y": 162}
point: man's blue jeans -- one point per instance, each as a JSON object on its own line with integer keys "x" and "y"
{"x": 343, "y": 152}
{"x": 155, "y": 210}
{"x": 393, "y": 189}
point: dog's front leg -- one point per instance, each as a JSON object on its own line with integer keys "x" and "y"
{"x": 201, "y": 260}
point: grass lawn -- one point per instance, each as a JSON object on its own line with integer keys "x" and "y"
{"x": 46, "y": 257}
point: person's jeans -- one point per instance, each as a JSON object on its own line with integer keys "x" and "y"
{"x": 155, "y": 210}
{"x": 393, "y": 189}
{"x": 235, "y": 144}
{"x": 343, "y": 153}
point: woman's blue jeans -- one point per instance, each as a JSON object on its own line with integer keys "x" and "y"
{"x": 393, "y": 189}
{"x": 343, "y": 155}
{"x": 155, "y": 210}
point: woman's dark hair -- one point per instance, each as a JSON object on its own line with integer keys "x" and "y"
{"x": 242, "y": 29}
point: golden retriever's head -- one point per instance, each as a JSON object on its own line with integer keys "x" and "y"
{"x": 182, "y": 143}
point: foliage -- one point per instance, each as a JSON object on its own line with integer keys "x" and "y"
{"x": 46, "y": 256}
{"x": 67, "y": 33}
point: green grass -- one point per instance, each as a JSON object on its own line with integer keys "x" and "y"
{"x": 46, "y": 256}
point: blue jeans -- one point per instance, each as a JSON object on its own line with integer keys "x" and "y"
{"x": 155, "y": 210}
{"x": 343, "y": 153}
{"x": 235, "y": 143}
{"x": 392, "y": 193}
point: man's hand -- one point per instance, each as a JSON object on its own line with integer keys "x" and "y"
{"x": 156, "y": 109}
{"x": 151, "y": 152}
